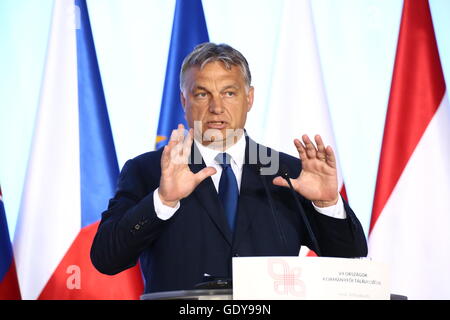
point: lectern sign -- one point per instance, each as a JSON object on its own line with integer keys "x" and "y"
{"x": 289, "y": 278}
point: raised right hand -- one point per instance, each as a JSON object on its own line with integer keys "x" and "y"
{"x": 177, "y": 180}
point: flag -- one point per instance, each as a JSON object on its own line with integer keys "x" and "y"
{"x": 298, "y": 103}
{"x": 71, "y": 174}
{"x": 9, "y": 285}
{"x": 410, "y": 224}
{"x": 188, "y": 30}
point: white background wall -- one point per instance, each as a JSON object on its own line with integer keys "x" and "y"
{"x": 357, "y": 41}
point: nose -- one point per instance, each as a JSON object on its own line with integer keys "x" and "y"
{"x": 216, "y": 105}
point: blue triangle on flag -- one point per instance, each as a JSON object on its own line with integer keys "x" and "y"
{"x": 99, "y": 169}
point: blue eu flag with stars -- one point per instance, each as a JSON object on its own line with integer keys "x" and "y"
{"x": 189, "y": 30}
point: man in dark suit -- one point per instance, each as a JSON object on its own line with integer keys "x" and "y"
{"x": 212, "y": 194}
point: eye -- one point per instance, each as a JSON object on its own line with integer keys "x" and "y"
{"x": 201, "y": 95}
{"x": 229, "y": 94}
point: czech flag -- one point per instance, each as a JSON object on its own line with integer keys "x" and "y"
{"x": 9, "y": 286}
{"x": 72, "y": 173}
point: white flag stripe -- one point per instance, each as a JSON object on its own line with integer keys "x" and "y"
{"x": 298, "y": 103}
{"x": 412, "y": 235}
{"x": 49, "y": 217}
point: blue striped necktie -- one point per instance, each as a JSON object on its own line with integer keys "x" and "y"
{"x": 228, "y": 189}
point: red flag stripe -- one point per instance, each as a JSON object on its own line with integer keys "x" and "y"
{"x": 344, "y": 193}
{"x": 9, "y": 286}
{"x": 76, "y": 278}
{"x": 417, "y": 70}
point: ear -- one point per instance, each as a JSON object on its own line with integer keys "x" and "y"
{"x": 183, "y": 101}
{"x": 250, "y": 97}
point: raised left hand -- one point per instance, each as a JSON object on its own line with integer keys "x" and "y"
{"x": 318, "y": 179}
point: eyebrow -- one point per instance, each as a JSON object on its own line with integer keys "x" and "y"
{"x": 231, "y": 86}
{"x": 199, "y": 88}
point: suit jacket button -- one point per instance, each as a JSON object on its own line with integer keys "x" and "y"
{"x": 236, "y": 255}
{"x": 137, "y": 227}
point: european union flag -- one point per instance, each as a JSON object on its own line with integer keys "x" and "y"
{"x": 189, "y": 29}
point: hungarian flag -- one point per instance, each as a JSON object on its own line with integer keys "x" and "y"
{"x": 9, "y": 286}
{"x": 188, "y": 30}
{"x": 72, "y": 173}
{"x": 410, "y": 225}
{"x": 298, "y": 103}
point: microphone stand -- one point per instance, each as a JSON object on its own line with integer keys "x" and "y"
{"x": 273, "y": 209}
{"x": 284, "y": 174}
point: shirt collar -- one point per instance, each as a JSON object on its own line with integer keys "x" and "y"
{"x": 236, "y": 151}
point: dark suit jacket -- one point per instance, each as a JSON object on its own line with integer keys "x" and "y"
{"x": 176, "y": 253}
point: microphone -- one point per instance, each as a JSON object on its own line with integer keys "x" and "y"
{"x": 212, "y": 282}
{"x": 284, "y": 173}
{"x": 280, "y": 231}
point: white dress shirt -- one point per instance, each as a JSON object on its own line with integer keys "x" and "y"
{"x": 237, "y": 153}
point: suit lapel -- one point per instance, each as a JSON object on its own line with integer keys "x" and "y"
{"x": 207, "y": 196}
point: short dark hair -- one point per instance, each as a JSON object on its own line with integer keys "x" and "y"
{"x": 209, "y": 52}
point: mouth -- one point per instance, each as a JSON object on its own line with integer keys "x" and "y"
{"x": 216, "y": 124}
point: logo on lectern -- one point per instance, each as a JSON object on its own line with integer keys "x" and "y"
{"x": 286, "y": 280}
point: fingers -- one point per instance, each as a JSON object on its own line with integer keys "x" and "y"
{"x": 301, "y": 150}
{"x": 321, "y": 154}
{"x": 187, "y": 143}
{"x": 279, "y": 181}
{"x": 311, "y": 150}
{"x": 308, "y": 151}
{"x": 178, "y": 149}
{"x": 204, "y": 173}
{"x": 165, "y": 158}
{"x": 168, "y": 152}
{"x": 331, "y": 158}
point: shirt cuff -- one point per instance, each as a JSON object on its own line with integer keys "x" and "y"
{"x": 336, "y": 211}
{"x": 162, "y": 211}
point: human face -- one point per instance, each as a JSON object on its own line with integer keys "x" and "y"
{"x": 216, "y": 101}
